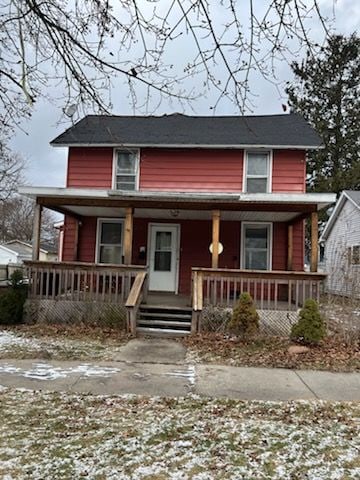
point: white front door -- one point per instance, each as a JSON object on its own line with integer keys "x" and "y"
{"x": 163, "y": 257}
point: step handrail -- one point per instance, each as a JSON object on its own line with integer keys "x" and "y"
{"x": 136, "y": 295}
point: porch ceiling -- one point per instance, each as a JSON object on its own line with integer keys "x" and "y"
{"x": 173, "y": 215}
{"x": 171, "y": 205}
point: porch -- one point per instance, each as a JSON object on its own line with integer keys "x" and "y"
{"x": 203, "y": 248}
{"x": 127, "y": 285}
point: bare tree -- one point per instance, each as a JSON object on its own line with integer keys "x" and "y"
{"x": 86, "y": 47}
{"x": 17, "y": 217}
{"x": 11, "y": 172}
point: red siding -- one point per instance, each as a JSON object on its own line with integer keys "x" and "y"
{"x": 280, "y": 246}
{"x": 191, "y": 170}
{"x": 288, "y": 171}
{"x": 90, "y": 167}
{"x": 194, "y": 254}
{"x": 68, "y": 254}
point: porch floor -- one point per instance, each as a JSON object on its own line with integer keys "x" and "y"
{"x": 165, "y": 299}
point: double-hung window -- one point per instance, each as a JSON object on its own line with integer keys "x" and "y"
{"x": 257, "y": 172}
{"x": 126, "y": 170}
{"x": 256, "y": 243}
{"x": 110, "y": 241}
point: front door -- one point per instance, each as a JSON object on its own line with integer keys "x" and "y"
{"x": 163, "y": 257}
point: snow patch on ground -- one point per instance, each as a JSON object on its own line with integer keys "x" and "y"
{"x": 62, "y": 435}
{"x": 188, "y": 372}
{"x": 10, "y": 339}
{"x": 44, "y": 371}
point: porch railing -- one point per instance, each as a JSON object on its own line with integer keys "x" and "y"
{"x": 75, "y": 281}
{"x": 271, "y": 290}
{"x": 138, "y": 294}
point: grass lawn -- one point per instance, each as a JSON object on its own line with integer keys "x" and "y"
{"x": 67, "y": 436}
{"x": 60, "y": 342}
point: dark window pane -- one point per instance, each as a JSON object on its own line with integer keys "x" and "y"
{"x": 128, "y": 184}
{"x": 110, "y": 254}
{"x": 257, "y": 164}
{"x": 163, "y": 241}
{"x": 111, "y": 233}
{"x": 162, "y": 262}
{"x": 356, "y": 255}
{"x": 126, "y": 162}
{"x": 256, "y": 259}
{"x": 256, "y": 237}
{"x": 256, "y": 185}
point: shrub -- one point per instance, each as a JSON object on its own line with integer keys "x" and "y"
{"x": 12, "y": 302}
{"x": 245, "y": 319}
{"x": 310, "y": 328}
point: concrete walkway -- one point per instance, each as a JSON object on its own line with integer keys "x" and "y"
{"x": 174, "y": 379}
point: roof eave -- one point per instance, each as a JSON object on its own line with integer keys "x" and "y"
{"x": 203, "y": 146}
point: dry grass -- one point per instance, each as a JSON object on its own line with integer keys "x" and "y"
{"x": 332, "y": 354}
{"x": 67, "y": 436}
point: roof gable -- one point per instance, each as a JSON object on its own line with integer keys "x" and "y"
{"x": 284, "y": 131}
{"x": 347, "y": 195}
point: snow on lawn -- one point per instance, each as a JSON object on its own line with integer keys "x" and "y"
{"x": 43, "y": 371}
{"x": 14, "y": 345}
{"x": 67, "y": 436}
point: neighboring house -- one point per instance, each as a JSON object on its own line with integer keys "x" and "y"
{"x": 190, "y": 202}
{"x": 341, "y": 239}
{"x": 17, "y": 251}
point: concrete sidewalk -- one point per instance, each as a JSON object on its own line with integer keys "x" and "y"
{"x": 160, "y": 379}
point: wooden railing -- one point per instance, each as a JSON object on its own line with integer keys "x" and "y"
{"x": 138, "y": 294}
{"x": 75, "y": 281}
{"x": 271, "y": 290}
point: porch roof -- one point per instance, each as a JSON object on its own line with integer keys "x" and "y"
{"x": 104, "y": 202}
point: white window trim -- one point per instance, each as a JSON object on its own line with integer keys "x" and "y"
{"x": 242, "y": 243}
{"x": 136, "y": 151}
{"x": 269, "y": 173}
{"x": 99, "y": 222}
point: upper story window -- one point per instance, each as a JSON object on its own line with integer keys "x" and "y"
{"x": 257, "y": 172}
{"x": 126, "y": 170}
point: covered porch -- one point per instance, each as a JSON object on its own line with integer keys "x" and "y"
{"x": 200, "y": 247}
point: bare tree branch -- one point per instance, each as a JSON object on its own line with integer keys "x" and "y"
{"x": 90, "y": 48}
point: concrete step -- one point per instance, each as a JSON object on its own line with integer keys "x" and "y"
{"x": 161, "y": 332}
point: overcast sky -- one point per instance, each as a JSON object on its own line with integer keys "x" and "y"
{"x": 47, "y": 165}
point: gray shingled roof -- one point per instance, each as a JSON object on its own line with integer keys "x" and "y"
{"x": 181, "y": 130}
{"x": 354, "y": 195}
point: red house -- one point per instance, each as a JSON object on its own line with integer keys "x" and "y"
{"x": 197, "y": 207}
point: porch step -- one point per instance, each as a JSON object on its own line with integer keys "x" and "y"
{"x": 180, "y": 316}
{"x": 159, "y": 320}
